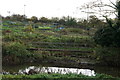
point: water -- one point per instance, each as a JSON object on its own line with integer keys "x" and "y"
{"x": 113, "y": 71}
{"x": 40, "y": 69}
{"x": 47, "y": 68}
{"x": 59, "y": 70}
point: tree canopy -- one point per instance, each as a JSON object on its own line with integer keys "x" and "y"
{"x": 110, "y": 35}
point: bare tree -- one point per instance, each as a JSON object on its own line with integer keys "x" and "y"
{"x": 98, "y": 8}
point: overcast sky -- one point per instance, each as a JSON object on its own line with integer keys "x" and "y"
{"x": 46, "y": 8}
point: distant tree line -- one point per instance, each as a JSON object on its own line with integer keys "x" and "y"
{"x": 67, "y": 21}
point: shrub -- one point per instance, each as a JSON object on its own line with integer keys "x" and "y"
{"x": 14, "y": 48}
{"x": 104, "y": 36}
{"x": 29, "y": 29}
{"x": 14, "y": 53}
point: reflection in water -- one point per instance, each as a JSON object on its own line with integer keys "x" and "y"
{"x": 49, "y": 70}
{"x": 113, "y": 71}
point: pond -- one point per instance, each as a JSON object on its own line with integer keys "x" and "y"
{"x": 48, "y": 68}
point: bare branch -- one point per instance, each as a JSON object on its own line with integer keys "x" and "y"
{"x": 110, "y": 6}
{"x": 113, "y": 3}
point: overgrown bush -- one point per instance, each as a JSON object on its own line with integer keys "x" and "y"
{"x": 14, "y": 48}
{"x": 14, "y": 52}
{"x": 104, "y": 36}
{"x": 108, "y": 36}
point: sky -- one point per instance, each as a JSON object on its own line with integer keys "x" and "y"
{"x": 44, "y": 8}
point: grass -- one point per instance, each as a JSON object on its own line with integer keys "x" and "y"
{"x": 45, "y": 76}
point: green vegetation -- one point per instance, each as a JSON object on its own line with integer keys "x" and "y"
{"x": 14, "y": 52}
{"x": 108, "y": 55}
{"x": 58, "y": 76}
{"x": 44, "y": 28}
{"x": 61, "y": 41}
{"x": 109, "y": 39}
{"x": 18, "y": 40}
{"x": 32, "y": 33}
